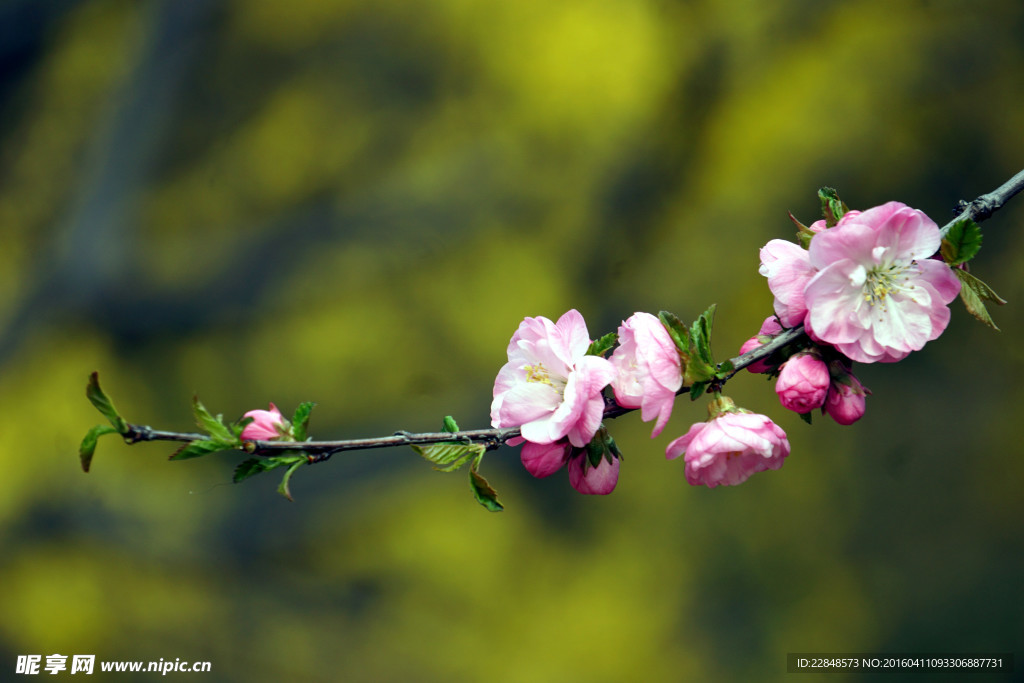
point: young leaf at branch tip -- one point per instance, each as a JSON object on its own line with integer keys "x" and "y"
{"x": 601, "y": 346}
{"x": 974, "y": 292}
{"x": 300, "y": 420}
{"x": 283, "y": 486}
{"x": 482, "y": 491}
{"x": 449, "y": 425}
{"x": 103, "y": 404}
{"x": 677, "y": 330}
{"x": 832, "y": 207}
{"x": 88, "y": 447}
{"x": 214, "y": 426}
{"x": 201, "y": 447}
{"x": 961, "y": 243}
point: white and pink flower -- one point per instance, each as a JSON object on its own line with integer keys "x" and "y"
{"x": 876, "y": 294}
{"x": 549, "y": 387}
{"x": 648, "y": 369}
{"x": 729, "y": 448}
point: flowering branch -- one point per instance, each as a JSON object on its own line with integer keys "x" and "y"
{"x": 857, "y": 286}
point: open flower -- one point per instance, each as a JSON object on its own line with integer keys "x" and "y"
{"x": 877, "y": 295}
{"x": 788, "y": 269}
{"x": 730, "y": 447}
{"x": 803, "y": 383}
{"x": 648, "y": 369}
{"x": 550, "y": 387}
{"x": 265, "y": 425}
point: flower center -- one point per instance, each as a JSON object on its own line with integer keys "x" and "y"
{"x": 538, "y": 373}
{"x": 885, "y": 279}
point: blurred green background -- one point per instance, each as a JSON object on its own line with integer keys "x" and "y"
{"x": 356, "y": 203}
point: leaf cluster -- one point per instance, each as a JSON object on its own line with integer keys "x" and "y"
{"x": 449, "y": 456}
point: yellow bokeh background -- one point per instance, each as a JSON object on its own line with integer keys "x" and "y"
{"x": 356, "y": 203}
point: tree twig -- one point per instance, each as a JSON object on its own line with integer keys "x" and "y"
{"x": 319, "y": 451}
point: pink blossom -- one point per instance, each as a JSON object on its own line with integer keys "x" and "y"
{"x": 769, "y": 328}
{"x": 648, "y": 369}
{"x": 845, "y": 403}
{"x": 550, "y": 387}
{"x": 586, "y": 478}
{"x": 265, "y": 425}
{"x": 788, "y": 269}
{"x": 877, "y": 295}
{"x": 543, "y": 460}
{"x": 803, "y": 383}
{"x": 729, "y": 448}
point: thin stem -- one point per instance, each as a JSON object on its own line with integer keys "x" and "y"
{"x": 318, "y": 451}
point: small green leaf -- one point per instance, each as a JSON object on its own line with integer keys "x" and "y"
{"x": 961, "y": 243}
{"x": 214, "y": 426}
{"x": 450, "y": 425}
{"x": 254, "y": 466}
{"x": 201, "y": 447}
{"x": 697, "y": 389}
{"x": 283, "y": 486}
{"x": 832, "y": 207}
{"x": 974, "y": 293}
{"x": 300, "y": 420}
{"x": 700, "y": 335}
{"x": 482, "y": 491}
{"x": 103, "y": 404}
{"x": 806, "y": 417}
{"x": 677, "y": 330}
{"x": 88, "y": 447}
{"x": 238, "y": 427}
{"x": 725, "y": 368}
{"x": 599, "y": 347}
{"x": 449, "y": 456}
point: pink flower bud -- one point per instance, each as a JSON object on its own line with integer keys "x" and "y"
{"x": 769, "y": 328}
{"x": 845, "y": 403}
{"x": 543, "y": 460}
{"x": 803, "y": 383}
{"x": 729, "y": 448}
{"x": 586, "y": 478}
{"x": 265, "y": 425}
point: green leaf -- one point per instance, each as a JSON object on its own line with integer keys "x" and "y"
{"x": 254, "y": 466}
{"x": 697, "y": 389}
{"x": 700, "y": 334}
{"x": 449, "y": 456}
{"x": 201, "y": 447}
{"x": 599, "y": 347}
{"x": 482, "y": 491}
{"x": 282, "y": 488}
{"x": 974, "y": 293}
{"x": 677, "y": 330}
{"x": 300, "y": 420}
{"x": 450, "y": 425}
{"x": 238, "y": 427}
{"x": 832, "y": 207}
{"x": 103, "y": 404}
{"x": 88, "y": 447}
{"x": 214, "y": 426}
{"x": 961, "y": 243}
